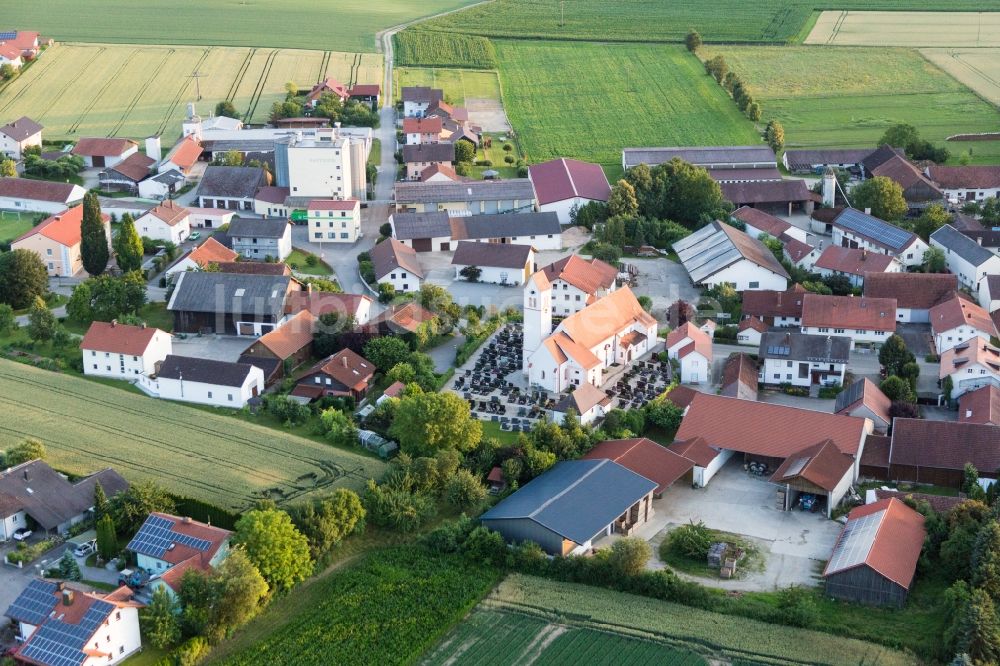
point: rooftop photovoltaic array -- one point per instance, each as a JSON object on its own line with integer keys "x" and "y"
{"x": 156, "y": 536}
{"x": 4, "y": 36}
{"x": 856, "y": 542}
{"x": 874, "y": 228}
{"x": 778, "y": 350}
{"x": 35, "y": 603}
{"x": 57, "y": 643}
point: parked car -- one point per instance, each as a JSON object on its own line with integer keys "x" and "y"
{"x": 85, "y": 549}
{"x": 195, "y": 236}
{"x": 22, "y": 534}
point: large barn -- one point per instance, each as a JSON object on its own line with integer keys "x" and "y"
{"x": 874, "y": 559}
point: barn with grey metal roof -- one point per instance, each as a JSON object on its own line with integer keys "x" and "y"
{"x": 709, "y": 157}
{"x": 571, "y": 505}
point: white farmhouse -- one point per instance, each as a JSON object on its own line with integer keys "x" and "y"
{"x": 693, "y": 350}
{"x": 971, "y": 365}
{"x": 956, "y": 320}
{"x": 417, "y": 99}
{"x": 167, "y": 222}
{"x": 803, "y": 360}
{"x": 855, "y": 229}
{"x": 503, "y": 264}
{"x": 334, "y": 220}
{"x": 966, "y": 258}
{"x": 966, "y": 183}
{"x": 18, "y": 135}
{"x": 759, "y": 223}
{"x": 397, "y": 264}
{"x": 166, "y": 546}
{"x": 719, "y": 253}
{"x": 865, "y": 320}
{"x": 562, "y": 185}
{"x": 121, "y": 351}
{"x": 205, "y": 381}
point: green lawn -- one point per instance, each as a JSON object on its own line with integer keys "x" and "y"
{"x": 13, "y": 225}
{"x": 297, "y": 261}
{"x": 861, "y": 92}
{"x": 457, "y": 84}
{"x": 492, "y": 429}
{"x": 150, "y": 656}
{"x": 588, "y": 101}
{"x": 666, "y": 21}
{"x": 345, "y": 25}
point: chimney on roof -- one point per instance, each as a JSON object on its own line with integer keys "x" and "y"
{"x": 868, "y": 211}
{"x": 114, "y": 322}
{"x": 27, "y": 477}
{"x": 344, "y": 360}
{"x": 864, "y": 254}
{"x": 60, "y": 585}
{"x": 67, "y": 597}
{"x": 186, "y": 520}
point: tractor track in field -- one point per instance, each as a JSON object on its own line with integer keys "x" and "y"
{"x": 238, "y": 80}
{"x": 140, "y": 93}
{"x": 261, "y": 84}
{"x": 62, "y": 91}
{"x": 323, "y": 66}
{"x": 180, "y": 92}
{"x": 326, "y": 472}
{"x": 96, "y": 97}
{"x": 49, "y": 68}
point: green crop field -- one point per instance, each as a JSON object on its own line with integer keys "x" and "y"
{"x": 458, "y": 85}
{"x": 386, "y": 609}
{"x": 343, "y": 25}
{"x": 660, "y": 20}
{"x": 79, "y": 90}
{"x": 192, "y": 452}
{"x": 434, "y": 49}
{"x": 497, "y": 638}
{"x": 588, "y": 101}
{"x": 730, "y": 638}
{"x": 848, "y": 96}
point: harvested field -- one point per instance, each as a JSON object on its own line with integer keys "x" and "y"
{"x": 193, "y": 452}
{"x": 979, "y": 69}
{"x": 861, "y": 92}
{"x": 79, "y": 90}
{"x": 871, "y": 28}
{"x": 636, "y": 95}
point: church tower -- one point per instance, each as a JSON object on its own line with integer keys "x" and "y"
{"x": 537, "y": 315}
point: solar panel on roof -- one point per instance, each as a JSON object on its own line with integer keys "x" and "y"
{"x": 856, "y": 542}
{"x": 8, "y": 35}
{"x": 873, "y": 228}
{"x": 156, "y": 536}
{"x": 35, "y": 603}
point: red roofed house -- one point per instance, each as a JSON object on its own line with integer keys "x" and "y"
{"x": 863, "y": 398}
{"x": 980, "y": 406}
{"x": 422, "y": 130}
{"x": 759, "y": 223}
{"x": 971, "y": 364}
{"x": 863, "y": 320}
{"x": 707, "y": 460}
{"x": 327, "y": 87}
{"x": 875, "y": 557}
{"x": 103, "y": 152}
{"x": 915, "y": 293}
{"x": 775, "y": 308}
{"x": 39, "y": 196}
{"x": 693, "y": 348}
{"x": 369, "y": 93}
{"x": 749, "y": 330}
{"x": 319, "y": 303}
{"x": 58, "y": 625}
{"x": 854, "y": 263}
{"x": 182, "y": 157}
{"x": 166, "y": 546}
{"x": 589, "y": 402}
{"x": 289, "y": 343}
{"x": 121, "y": 351}
{"x": 958, "y": 320}
{"x": 167, "y": 222}
{"x": 575, "y": 283}
{"x": 334, "y": 220}
{"x": 936, "y": 452}
{"x": 439, "y": 173}
{"x": 56, "y": 241}
{"x": 562, "y": 184}
{"x": 18, "y": 46}
{"x": 209, "y": 252}
{"x": 645, "y": 457}
{"x": 344, "y": 374}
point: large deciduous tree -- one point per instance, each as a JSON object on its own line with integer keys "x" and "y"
{"x": 774, "y": 134}
{"x": 93, "y": 237}
{"x": 425, "y": 423}
{"x": 275, "y": 546}
{"x": 22, "y": 278}
{"x": 622, "y": 200}
{"x": 132, "y": 506}
{"x": 128, "y": 245}
{"x": 385, "y": 352}
{"x": 894, "y": 355}
{"x": 42, "y": 324}
{"x": 160, "y": 619}
{"x": 326, "y": 522}
{"x": 883, "y": 196}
